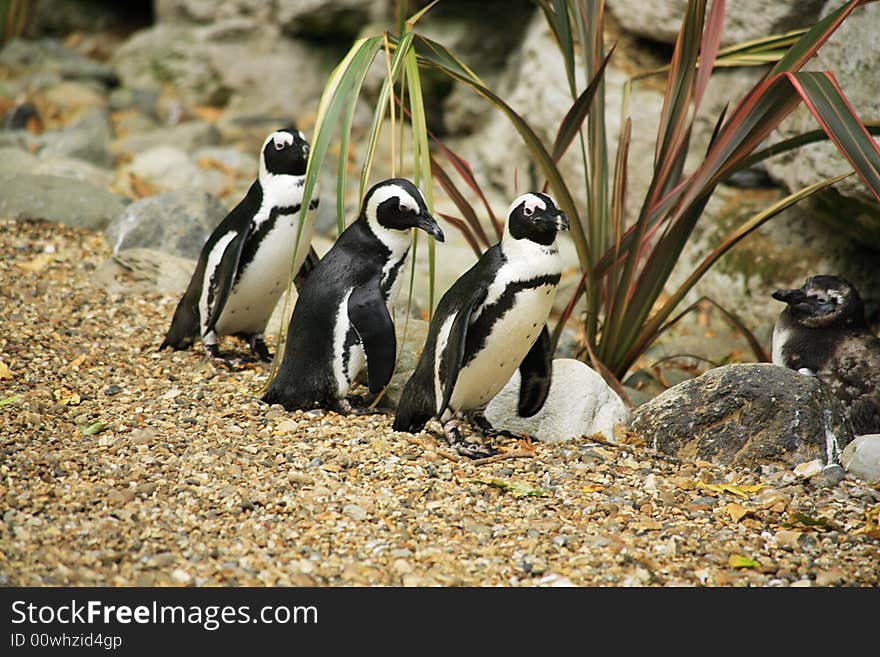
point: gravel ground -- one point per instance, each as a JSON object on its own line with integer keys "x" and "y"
{"x": 124, "y": 466}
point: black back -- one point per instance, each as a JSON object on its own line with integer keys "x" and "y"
{"x": 305, "y": 377}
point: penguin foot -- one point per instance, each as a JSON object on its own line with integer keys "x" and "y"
{"x": 344, "y": 407}
{"x": 213, "y": 352}
{"x": 260, "y": 350}
{"x": 481, "y": 424}
{"x": 463, "y": 447}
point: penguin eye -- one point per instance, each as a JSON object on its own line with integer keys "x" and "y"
{"x": 279, "y": 145}
{"x": 528, "y": 211}
{"x": 403, "y": 207}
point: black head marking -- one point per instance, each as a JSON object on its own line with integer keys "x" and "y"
{"x": 397, "y": 204}
{"x": 825, "y": 301}
{"x": 286, "y": 152}
{"x": 535, "y": 217}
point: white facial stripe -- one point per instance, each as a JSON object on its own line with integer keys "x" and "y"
{"x": 405, "y": 199}
{"x": 301, "y": 136}
{"x": 281, "y": 139}
{"x": 531, "y": 202}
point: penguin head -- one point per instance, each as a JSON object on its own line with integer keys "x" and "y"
{"x": 285, "y": 152}
{"x": 397, "y": 204}
{"x": 535, "y": 217}
{"x": 824, "y": 302}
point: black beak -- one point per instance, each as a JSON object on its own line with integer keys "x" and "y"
{"x": 556, "y": 221}
{"x": 790, "y": 297}
{"x": 562, "y": 222}
{"x": 428, "y": 224}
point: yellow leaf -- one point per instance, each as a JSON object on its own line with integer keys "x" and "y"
{"x": 76, "y": 362}
{"x": 739, "y": 561}
{"x": 742, "y": 491}
{"x": 4, "y": 371}
{"x": 592, "y": 488}
{"x": 38, "y": 263}
{"x": 736, "y": 511}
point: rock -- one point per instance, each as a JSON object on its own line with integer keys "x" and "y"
{"x": 355, "y": 512}
{"x": 177, "y": 222}
{"x": 206, "y": 11}
{"x": 62, "y": 200}
{"x": 167, "y": 168}
{"x": 862, "y": 457}
{"x": 746, "y": 414}
{"x": 68, "y": 167}
{"x": 145, "y": 270}
{"x": 661, "y": 20}
{"x": 188, "y": 136}
{"x": 15, "y": 160}
{"x": 217, "y": 64}
{"x": 88, "y": 138}
{"x": 315, "y": 18}
{"x": 49, "y": 56}
{"x": 579, "y": 403}
{"x": 69, "y": 96}
{"x": 851, "y": 51}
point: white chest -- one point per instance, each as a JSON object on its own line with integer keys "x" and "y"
{"x": 262, "y": 282}
{"x": 509, "y": 340}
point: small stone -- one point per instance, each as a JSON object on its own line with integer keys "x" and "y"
{"x": 830, "y": 577}
{"x": 120, "y": 496}
{"x": 181, "y": 576}
{"x": 146, "y": 488}
{"x": 112, "y": 390}
{"x": 299, "y": 478}
{"x": 808, "y": 469}
{"x": 288, "y": 426}
{"x": 787, "y": 538}
{"x": 354, "y": 512}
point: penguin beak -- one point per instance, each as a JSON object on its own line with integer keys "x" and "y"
{"x": 428, "y": 224}
{"x": 562, "y": 222}
{"x": 553, "y": 221}
{"x": 790, "y": 297}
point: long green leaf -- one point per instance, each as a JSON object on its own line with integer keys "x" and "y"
{"x": 341, "y": 90}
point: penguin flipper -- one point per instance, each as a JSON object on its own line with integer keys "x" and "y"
{"x": 224, "y": 277}
{"x": 455, "y": 345}
{"x": 535, "y": 370}
{"x": 307, "y": 267}
{"x": 370, "y": 317}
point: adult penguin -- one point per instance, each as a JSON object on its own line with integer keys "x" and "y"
{"x": 490, "y": 322}
{"x": 340, "y": 322}
{"x": 244, "y": 266}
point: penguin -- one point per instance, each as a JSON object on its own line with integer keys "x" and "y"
{"x": 341, "y": 322}
{"x": 823, "y": 332}
{"x": 244, "y": 265}
{"x": 491, "y": 321}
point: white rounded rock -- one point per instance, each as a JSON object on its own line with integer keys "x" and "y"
{"x": 862, "y": 457}
{"x": 579, "y": 403}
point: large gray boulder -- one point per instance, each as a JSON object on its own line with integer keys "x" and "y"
{"x": 62, "y": 200}
{"x": 177, "y": 222}
{"x": 660, "y": 20}
{"x": 238, "y": 61}
{"x": 144, "y": 271}
{"x": 747, "y": 414}
{"x": 579, "y": 403}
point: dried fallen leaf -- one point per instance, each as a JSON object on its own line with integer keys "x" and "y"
{"x": 742, "y": 491}
{"x": 38, "y": 263}
{"x": 592, "y": 488}
{"x": 4, "y": 371}
{"x": 93, "y": 428}
{"x": 872, "y": 522}
{"x": 64, "y": 396}
{"x": 739, "y": 561}
{"x": 519, "y": 490}
{"x": 799, "y": 519}
{"x": 76, "y": 362}
{"x": 736, "y": 511}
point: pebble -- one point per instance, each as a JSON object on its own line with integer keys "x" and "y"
{"x": 354, "y": 512}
